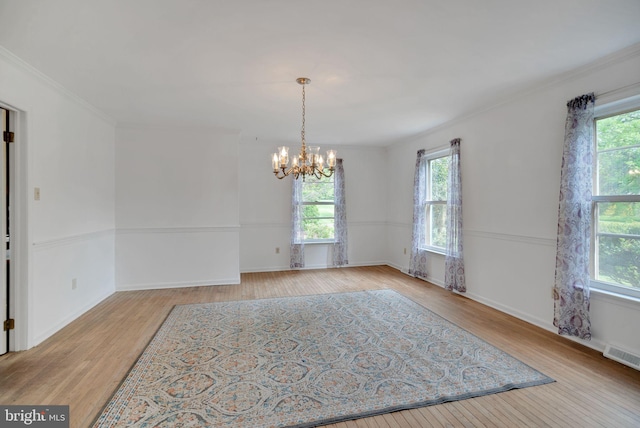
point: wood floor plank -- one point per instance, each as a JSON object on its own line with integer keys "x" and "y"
{"x": 430, "y": 415}
{"x": 466, "y": 414}
{"x": 83, "y": 364}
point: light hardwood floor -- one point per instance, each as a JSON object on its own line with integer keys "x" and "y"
{"x": 84, "y": 363}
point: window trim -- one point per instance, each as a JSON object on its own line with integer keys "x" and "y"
{"x": 305, "y": 203}
{"x": 610, "y": 109}
{"x": 436, "y": 154}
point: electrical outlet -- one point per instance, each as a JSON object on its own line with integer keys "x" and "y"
{"x": 36, "y": 193}
{"x": 405, "y": 251}
{"x": 74, "y": 283}
{"x": 277, "y": 250}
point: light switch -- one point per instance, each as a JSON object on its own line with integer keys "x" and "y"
{"x": 36, "y": 193}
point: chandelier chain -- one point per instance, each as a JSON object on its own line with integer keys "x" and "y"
{"x": 303, "y": 114}
{"x": 309, "y": 162}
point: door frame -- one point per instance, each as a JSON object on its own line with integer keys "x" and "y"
{"x": 5, "y": 300}
{"x": 19, "y": 199}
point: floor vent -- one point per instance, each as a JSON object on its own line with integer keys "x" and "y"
{"x": 623, "y": 357}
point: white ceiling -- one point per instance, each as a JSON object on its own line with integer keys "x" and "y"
{"x": 381, "y": 70}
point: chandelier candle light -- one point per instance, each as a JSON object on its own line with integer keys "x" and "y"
{"x": 309, "y": 161}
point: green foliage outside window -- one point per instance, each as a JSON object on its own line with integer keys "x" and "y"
{"x": 438, "y": 170}
{"x": 618, "y": 144}
{"x": 439, "y": 174}
{"x": 318, "y": 211}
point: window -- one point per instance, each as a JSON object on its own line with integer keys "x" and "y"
{"x": 616, "y": 202}
{"x": 318, "y": 212}
{"x": 437, "y": 171}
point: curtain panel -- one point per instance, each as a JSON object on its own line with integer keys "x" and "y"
{"x": 296, "y": 249}
{"x": 340, "y": 257}
{"x": 418, "y": 262}
{"x": 340, "y": 245}
{"x": 571, "y": 288}
{"x": 454, "y": 261}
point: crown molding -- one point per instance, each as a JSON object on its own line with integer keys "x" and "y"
{"x": 31, "y": 70}
{"x": 534, "y": 87}
{"x": 146, "y": 126}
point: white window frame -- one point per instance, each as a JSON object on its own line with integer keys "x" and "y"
{"x": 600, "y": 112}
{"x": 304, "y": 203}
{"x": 444, "y": 153}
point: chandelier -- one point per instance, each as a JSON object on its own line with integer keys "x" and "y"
{"x": 309, "y": 161}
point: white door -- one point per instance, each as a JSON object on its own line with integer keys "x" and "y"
{"x": 4, "y": 288}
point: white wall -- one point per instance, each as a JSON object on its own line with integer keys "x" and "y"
{"x": 176, "y": 207}
{"x": 399, "y": 206}
{"x": 187, "y": 212}
{"x": 511, "y": 155}
{"x": 265, "y": 210}
{"x": 67, "y": 149}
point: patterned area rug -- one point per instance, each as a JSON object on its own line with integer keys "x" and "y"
{"x": 306, "y": 361}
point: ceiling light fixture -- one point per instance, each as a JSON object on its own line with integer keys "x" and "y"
{"x": 308, "y": 161}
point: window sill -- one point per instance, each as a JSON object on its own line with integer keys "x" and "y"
{"x": 435, "y": 250}
{"x": 327, "y": 241}
{"x": 604, "y": 290}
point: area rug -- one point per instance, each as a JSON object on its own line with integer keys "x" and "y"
{"x": 306, "y": 361}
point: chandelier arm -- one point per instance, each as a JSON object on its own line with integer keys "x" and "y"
{"x": 285, "y": 172}
{"x": 303, "y": 164}
{"x": 329, "y": 174}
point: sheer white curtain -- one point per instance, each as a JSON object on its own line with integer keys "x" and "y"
{"x": 454, "y": 261}
{"x": 571, "y": 289}
{"x": 418, "y": 262}
{"x": 297, "y": 230}
{"x": 340, "y": 230}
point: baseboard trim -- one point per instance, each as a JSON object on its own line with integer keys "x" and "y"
{"x": 312, "y": 267}
{"x": 545, "y": 325}
{"x": 593, "y": 344}
{"x": 38, "y": 339}
{"x": 180, "y": 284}
{"x": 405, "y": 271}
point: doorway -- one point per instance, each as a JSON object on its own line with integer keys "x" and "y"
{"x": 5, "y": 227}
